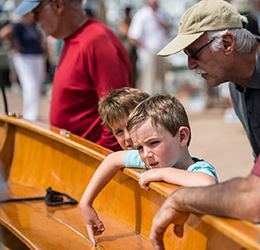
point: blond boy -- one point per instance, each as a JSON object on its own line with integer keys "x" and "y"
{"x": 114, "y": 110}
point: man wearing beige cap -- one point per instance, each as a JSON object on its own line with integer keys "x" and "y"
{"x": 211, "y": 33}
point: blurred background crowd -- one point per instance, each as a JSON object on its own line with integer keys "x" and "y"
{"x": 174, "y": 76}
{"x": 204, "y": 105}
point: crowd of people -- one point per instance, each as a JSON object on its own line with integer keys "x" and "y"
{"x": 147, "y": 69}
{"x": 93, "y": 97}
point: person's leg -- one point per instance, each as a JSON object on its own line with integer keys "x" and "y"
{"x": 30, "y": 70}
{"x": 160, "y": 68}
{"x": 147, "y": 74}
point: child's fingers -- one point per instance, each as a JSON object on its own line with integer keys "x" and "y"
{"x": 90, "y": 229}
{"x": 143, "y": 184}
{"x": 99, "y": 228}
{"x": 178, "y": 230}
{"x": 94, "y": 230}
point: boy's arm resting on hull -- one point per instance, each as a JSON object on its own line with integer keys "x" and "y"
{"x": 176, "y": 176}
{"x": 105, "y": 172}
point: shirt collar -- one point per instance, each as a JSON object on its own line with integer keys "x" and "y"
{"x": 255, "y": 79}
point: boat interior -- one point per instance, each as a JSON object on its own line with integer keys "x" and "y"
{"x": 35, "y": 156}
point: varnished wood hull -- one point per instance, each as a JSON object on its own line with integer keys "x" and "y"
{"x": 36, "y": 156}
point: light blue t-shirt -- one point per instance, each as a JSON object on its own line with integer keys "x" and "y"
{"x": 133, "y": 160}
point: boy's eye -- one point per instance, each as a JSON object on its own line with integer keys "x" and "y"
{"x": 154, "y": 142}
{"x": 139, "y": 148}
{"x": 118, "y": 132}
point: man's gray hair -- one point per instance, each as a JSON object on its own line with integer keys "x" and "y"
{"x": 245, "y": 41}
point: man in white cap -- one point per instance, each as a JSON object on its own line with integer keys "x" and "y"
{"x": 211, "y": 33}
{"x": 92, "y": 61}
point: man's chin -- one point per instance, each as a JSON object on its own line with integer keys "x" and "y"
{"x": 211, "y": 84}
{"x": 205, "y": 77}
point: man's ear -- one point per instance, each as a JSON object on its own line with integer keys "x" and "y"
{"x": 58, "y": 6}
{"x": 184, "y": 133}
{"x": 228, "y": 43}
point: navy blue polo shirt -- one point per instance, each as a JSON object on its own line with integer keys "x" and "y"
{"x": 29, "y": 39}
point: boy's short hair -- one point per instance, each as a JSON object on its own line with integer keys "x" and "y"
{"x": 119, "y": 103}
{"x": 165, "y": 110}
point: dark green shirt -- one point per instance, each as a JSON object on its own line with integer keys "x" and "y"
{"x": 247, "y": 106}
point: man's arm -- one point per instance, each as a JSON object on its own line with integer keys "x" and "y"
{"x": 238, "y": 198}
{"x": 7, "y": 33}
{"x": 137, "y": 43}
{"x": 105, "y": 172}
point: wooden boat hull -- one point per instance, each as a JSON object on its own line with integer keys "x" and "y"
{"x": 37, "y": 156}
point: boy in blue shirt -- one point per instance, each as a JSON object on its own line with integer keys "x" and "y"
{"x": 160, "y": 131}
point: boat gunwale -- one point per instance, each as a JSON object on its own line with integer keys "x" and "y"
{"x": 219, "y": 223}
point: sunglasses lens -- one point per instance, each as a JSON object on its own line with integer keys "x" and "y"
{"x": 193, "y": 55}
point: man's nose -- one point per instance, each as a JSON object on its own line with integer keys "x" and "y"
{"x": 192, "y": 63}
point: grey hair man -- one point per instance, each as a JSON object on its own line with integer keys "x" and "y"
{"x": 211, "y": 33}
{"x": 219, "y": 49}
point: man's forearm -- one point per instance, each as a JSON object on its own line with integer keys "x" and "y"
{"x": 238, "y": 198}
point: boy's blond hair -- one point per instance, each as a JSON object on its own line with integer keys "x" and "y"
{"x": 165, "y": 110}
{"x": 118, "y": 104}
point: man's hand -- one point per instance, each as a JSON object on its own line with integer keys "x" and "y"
{"x": 93, "y": 224}
{"x": 167, "y": 214}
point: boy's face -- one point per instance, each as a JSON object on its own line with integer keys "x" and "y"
{"x": 122, "y": 135}
{"x": 156, "y": 145}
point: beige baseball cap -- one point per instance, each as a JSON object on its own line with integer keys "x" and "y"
{"x": 206, "y": 15}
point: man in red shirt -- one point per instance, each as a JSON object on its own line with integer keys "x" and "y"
{"x": 92, "y": 61}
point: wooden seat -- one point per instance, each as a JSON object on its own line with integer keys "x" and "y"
{"x": 43, "y": 227}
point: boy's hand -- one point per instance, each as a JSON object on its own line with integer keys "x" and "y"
{"x": 148, "y": 176}
{"x": 93, "y": 224}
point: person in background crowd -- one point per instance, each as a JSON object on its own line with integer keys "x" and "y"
{"x": 29, "y": 61}
{"x": 53, "y": 51}
{"x": 148, "y": 31}
{"x": 243, "y": 7}
{"x": 92, "y": 60}
{"x": 122, "y": 30}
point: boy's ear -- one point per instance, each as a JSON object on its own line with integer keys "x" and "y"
{"x": 184, "y": 133}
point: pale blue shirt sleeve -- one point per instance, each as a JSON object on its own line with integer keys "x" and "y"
{"x": 133, "y": 160}
{"x": 203, "y": 167}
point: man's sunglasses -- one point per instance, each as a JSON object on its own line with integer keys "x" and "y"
{"x": 193, "y": 54}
